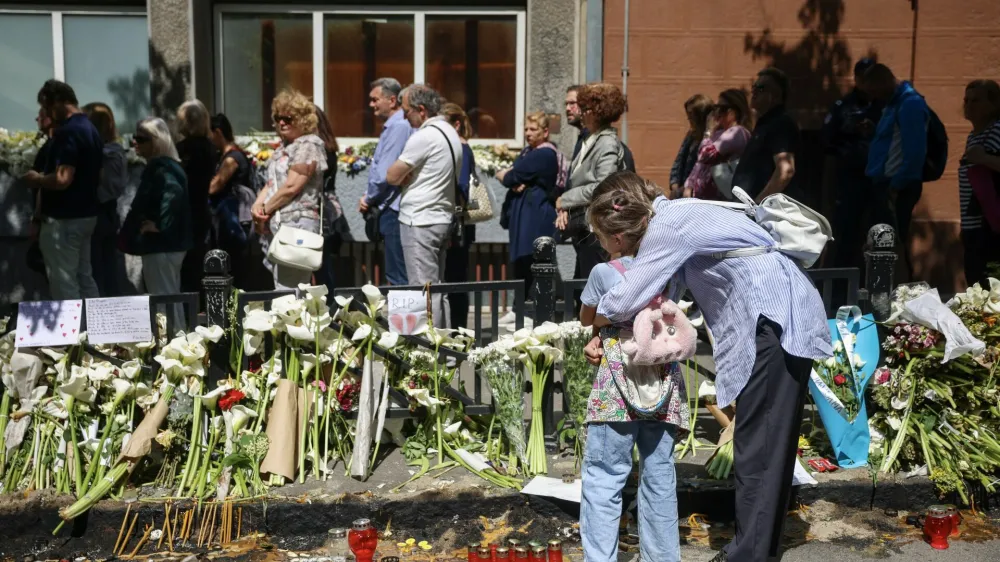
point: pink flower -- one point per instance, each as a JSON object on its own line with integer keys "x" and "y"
{"x": 321, "y": 385}
{"x": 883, "y": 376}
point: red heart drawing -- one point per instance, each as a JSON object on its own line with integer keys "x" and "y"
{"x": 78, "y": 305}
{"x": 397, "y": 322}
{"x": 60, "y": 325}
{"x": 74, "y": 330}
{"x": 74, "y": 318}
{"x": 22, "y": 338}
{"x": 411, "y": 323}
{"x": 64, "y": 334}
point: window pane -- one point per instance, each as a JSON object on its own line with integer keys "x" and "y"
{"x": 107, "y": 60}
{"x": 261, "y": 55}
{"x": 473, "y": 62}
{"x": 25, "y": 64}
{"x": 360, "y": 50}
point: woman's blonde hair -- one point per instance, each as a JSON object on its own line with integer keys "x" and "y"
{"x": 297, "y": 106}
{"x": 622, "y": 206}
{"x": 698, "y": 108}
{"x": 159, "y": 135}
{"x": 452, "y": 112}
{"x": 539, "y": 118}
{"x": 103, "y": 118}
{"x": 992, "y": 91}
{"x": 193, "y": 119}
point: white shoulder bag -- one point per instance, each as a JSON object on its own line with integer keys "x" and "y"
{"x": 298, "y": 248}
{"x": 798, "y": 231}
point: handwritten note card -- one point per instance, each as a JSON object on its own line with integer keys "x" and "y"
{"x": 118, "y": 320}
{"x": 48, "y": 323}
{"x": 407, "y": 311}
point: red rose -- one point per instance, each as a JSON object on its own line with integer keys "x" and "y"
{"x": 229, "y": 399}
{"x": 840, "y": 380}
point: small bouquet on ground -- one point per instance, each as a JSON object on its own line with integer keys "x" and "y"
{"x": 506, "y": 380}
{"x": 578, "y": 381}
{"x": 533, "y": 347}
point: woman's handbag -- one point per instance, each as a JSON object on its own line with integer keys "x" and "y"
{"x": 482, "y": 204}
{"x": 298, "y": 248}
{"x": 722, "y": 175}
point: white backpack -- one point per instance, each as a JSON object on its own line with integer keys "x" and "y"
{"x": 798, "y": 231}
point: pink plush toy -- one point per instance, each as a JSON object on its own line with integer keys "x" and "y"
{"x": 662, "y": 334}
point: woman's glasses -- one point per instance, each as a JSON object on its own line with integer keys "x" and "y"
{"x": 141, "y": 139}
{"x": 721, "y": 108}
{"x": 282, "y": 119}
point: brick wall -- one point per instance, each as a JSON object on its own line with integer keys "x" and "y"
{"x": 681, "y": 47}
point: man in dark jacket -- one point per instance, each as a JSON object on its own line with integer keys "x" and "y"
{"x": 767, "y": 166}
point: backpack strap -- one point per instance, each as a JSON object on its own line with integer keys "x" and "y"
{"x": 617, "y": 264}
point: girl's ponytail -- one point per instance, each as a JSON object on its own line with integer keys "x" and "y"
{"x": 622, "y": 204}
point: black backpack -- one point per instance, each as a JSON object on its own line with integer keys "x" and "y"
{"x": 937, "y": 148}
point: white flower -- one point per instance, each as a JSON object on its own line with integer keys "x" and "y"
{"x": 55, "y": 407}
{"x": 288, "y": 309}
{"x": 123, "y": 388}
{"x": 252, "y": 342}
{"x": 931, "y": 395}
{"x": 342, "y": 301}
{"x": 423, "y": 397}
{"x": 362, "y": 332}
{"x": 898, "y": 403}
{"x": 248, "y": 384}
{"x": 831, "y": 362}
{"x": 894, "y": 422}
{"x": 453, "y": 428}
{"x": 210, "y": 333}
{"x": 76, "y": 388}
{"x": 838, "y": 346}
{"x": 131, "y": 369}
{"x": 54, "y": 353}
{"x": 388, "y": 340}
{"x": 308, "y": 361}
{"x": 301, "y": 333}
{"x": 375, "y": 299}
{"x": 145, "y": 397}
{"x": 858, "y": 361}
{"x": 993, "y": 300}
{"x": 684, "y": 305}
{"x": 546, "y": 332}
{"x": 471, "y": 334}
{"x": 100, "y": 372}
{"x": 237, "y": 416}
{"x": 211, "y": 400}
{"x": 258, "y": 321}
{"x": 315, "y": 291}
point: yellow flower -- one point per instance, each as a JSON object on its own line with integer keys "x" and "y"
{"x": 424, "y": 545}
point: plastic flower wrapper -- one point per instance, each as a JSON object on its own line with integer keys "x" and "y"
{"x": 506, "y": 380}
{"x": 578, "y": 380}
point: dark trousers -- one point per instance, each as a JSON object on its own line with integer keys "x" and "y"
{"x": 895, "y": 207}
{"x": 395, "y": 267}
{"x": 853, "y": 218}
{"x": 456, "y": 270}
{"x": 107, "y": 262}
{"x": 521, "y": 269}
{"x": 982, "y": 248}
{"x": 768, "y": 417}
{"x": 327, "y": 274}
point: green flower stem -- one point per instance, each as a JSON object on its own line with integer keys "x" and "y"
{"x": 110, "y": 421}
{"x": 202, "y": 475}
{"x": 897, "y": 443}
{"x": 189, "y": 465}
{"x": 439, "y": 411}
{"x": 77, "y": 461}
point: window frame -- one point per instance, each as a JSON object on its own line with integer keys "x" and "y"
{"x": 419, "y": 51}
{"x": 56, "y": 13}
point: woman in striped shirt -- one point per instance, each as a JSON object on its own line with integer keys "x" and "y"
{"x": 980, "y": 238}
{"x": 769, "y": 323}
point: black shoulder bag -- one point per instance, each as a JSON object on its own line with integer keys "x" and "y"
{"x": 373, "y": 215}
{"x": 457, "y": 231}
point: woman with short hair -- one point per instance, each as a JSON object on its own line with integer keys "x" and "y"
{"x": 602, "y": 154}
{"x": 294, "y": 185}
{"x": 198, "y": 158}
{"x": 107, "y": 262}
{"x": 158, "y": 225}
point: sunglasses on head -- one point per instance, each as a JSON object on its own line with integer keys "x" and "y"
{"x": 139, "y": 139}
{"x": 287, "y": 119}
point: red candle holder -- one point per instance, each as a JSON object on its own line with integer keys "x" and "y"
{"x": 956, "y": 519}
{"x": 555, "y": 551}
{"x": 363, "y": 539}
{"x": 937, "y": 527}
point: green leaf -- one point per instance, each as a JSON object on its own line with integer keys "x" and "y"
{"x": 238, "y": 460}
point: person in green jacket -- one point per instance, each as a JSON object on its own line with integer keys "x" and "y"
{"x": 158, "y": 226}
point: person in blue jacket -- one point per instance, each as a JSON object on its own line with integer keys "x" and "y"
{"x": 898, "y": 151}
{"x": 537, "y": 177}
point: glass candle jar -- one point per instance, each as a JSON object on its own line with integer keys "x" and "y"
{"x": 336, "y": 543}
{"x": 473, "y": 552}
{"x": 505, "y": 554}
{"x": 937, "y": 527}
{"x": 483, "y": 554}
{"x": 555, "y": 551}
{"x": 538, "y": 554}
{"x": 363, "y": 539}
{"x": 520, "y": 554}
{"x": 956, "y": 519}
{"x": 513, "y": 544}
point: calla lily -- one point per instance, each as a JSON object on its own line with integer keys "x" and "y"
{"x": 423, "y": 397}
{"x": 546, "y": 332}
{"x": 53, "y": 353}
{"x": 684, "y": 305}
{"x": 210, "y": 333}
{"x": 252, "y": 342}
{"x": 299, "y": 332}
{"x": 375, "y": 299}
{"x": 123, "y": 388}
{"x": 362, "y": 332}
{"x": 249, "y": 385}
{"x": 55, "y": 407}
{"x": 315, "y": 291}
{"x": 308, "y": 361}
{"x": 258, "y": 321}
{"x": 453, "y": 428}
{"x": 388, "y": 340}
{"x": 697, "y": 321}
{"x": 437, "y": 336}
{"x": 287, "y": 308}
{"x": 172, "y": 368}
{"x": 146, "y": 397}
{"x": 131, "y": 369}
{"x": 237, "y": 416}
{"x": 993, "y": 300}
{"x": 100, "y": 372}
{"x": 343, "y": 302}
{"x": 76, "y": 388}
{"x": 211, "y": 399}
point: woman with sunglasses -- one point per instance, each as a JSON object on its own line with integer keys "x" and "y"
{"x": 723, "y": 145}
{"x": 158, "y": 225}
{"x": 294, "y": 184}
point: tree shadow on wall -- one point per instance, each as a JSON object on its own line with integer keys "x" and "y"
{"x": 816, "y": 66}
{"x": 168, "y": 84}
{"x": 131, "y": 95}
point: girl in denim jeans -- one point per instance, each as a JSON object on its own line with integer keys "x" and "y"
{"x": 614, "y": 428}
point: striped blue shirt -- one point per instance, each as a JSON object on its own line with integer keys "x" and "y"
{"x": 732, "y": 293}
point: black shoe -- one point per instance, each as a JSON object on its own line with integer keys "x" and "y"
{"x": 720, "y": 557}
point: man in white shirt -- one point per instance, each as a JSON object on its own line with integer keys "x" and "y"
{"x": 427, "y": 171}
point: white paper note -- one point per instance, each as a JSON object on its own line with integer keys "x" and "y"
{"x": 554, "y": 488}
{"x": 48, "y": 323}
{"x": 118, "y": 320}
{"x": 407, "y": 311}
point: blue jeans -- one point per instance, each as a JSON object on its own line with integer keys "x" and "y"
{"x": 395, "y": 266}
{"x": 607, "y": 462}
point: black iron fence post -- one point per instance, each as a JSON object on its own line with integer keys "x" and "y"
{"x": 218, "y": 286}
{"x": 543, "y": 292}
{"x": 880, "y": 268}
